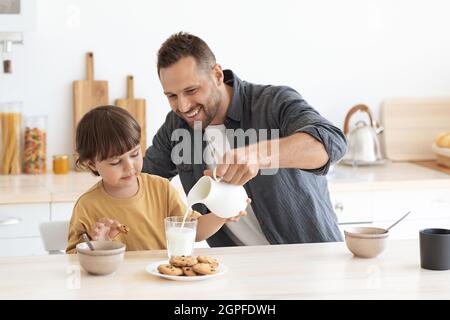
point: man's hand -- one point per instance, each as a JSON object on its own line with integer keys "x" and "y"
{"x": 238, "y": 166}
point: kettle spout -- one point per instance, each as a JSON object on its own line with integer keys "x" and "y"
{"x": 378, "y": 128}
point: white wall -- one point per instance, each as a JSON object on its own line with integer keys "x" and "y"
{"x": 335, "y": 53}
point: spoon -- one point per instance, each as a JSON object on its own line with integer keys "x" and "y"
{"x": 398, "y": 221}
{"x": 86, "y": 238}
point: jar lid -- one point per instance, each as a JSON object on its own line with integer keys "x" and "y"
{"x": 60, "y": 156}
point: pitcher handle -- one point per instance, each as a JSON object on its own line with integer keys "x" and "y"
{"x": 218, "y": 179}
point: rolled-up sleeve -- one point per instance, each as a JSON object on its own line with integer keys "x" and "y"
{"x": 293, "y": 114}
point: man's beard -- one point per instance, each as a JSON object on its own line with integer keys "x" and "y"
{"x": 211, "y": 112}
{"x": 209, "y": 117}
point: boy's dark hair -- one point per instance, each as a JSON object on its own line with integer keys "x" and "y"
{"x": 181, "y": 45}
{"x": 105, "y": 132}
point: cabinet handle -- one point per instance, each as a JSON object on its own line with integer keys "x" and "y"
{"x": 10, "y": 221}
{"x": 339, "y": 207}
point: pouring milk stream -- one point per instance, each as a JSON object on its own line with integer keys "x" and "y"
{"x": 222, "y": 199}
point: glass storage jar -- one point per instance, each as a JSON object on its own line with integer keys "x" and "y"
{"x": 60, "y": 164}
{"x": 35, "y": 148}
{"x": 10, "y": 138}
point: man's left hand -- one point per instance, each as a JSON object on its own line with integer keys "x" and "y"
{"x": 241, "y": 214}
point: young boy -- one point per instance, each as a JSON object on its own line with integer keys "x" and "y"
{"x": 108, "y": 143}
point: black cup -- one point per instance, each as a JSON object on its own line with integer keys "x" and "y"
{"x": 435, "y": 249}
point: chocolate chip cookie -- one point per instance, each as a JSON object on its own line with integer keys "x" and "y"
{"x": 209, "y": 260}
{"x": 183, "y": 261}
{"x": 204, "y": 268}
{"x": 189, "y": 272}
{"x": 170, "y": 270}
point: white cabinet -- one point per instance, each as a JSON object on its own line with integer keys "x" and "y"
{"x": 61, "y": 211}
{"x": 19, "y": 228}
{"x": 22, "y": 220}
{"x": 352, "y": 207}
{"x": 14, "y": 247}
{"x": 424, "y": 204}
{"x": 429, "y": 208}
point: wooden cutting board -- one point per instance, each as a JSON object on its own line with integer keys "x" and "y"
{"x": 137, "y": 107}
{"x": 89, "y": 93}
{"x": 433, "y": 165}
{"x": 411, "y": 126}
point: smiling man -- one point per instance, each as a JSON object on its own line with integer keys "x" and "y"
{"x": 283, "y": 164}
{"x": 194, "y": 91}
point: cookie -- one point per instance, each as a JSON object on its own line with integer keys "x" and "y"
{"x": 189, "y": 272}
{"x": 204, "y": 268}
{"x": 170, "y": 270}
{"x": 120, "y": 227}
{"x": 183, "y": 261}
{"x": 123, "y": 228}
{"x": 209, "y": 260}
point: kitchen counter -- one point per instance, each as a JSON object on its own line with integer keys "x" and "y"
{"x": 296, "y": 271}
{"x": 391, "y": 176}
{"x": 67, "y": 188}
{"x": 44, "y": 188}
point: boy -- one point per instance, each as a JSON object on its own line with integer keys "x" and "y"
{"x": 108, "y": 144}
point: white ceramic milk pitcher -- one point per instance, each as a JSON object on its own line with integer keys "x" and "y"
{"x": 223, "y": 199}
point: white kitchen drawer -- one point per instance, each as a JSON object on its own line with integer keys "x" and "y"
{"x": 61, "y": 211}
{"x": 424, "y": 204}
{"x": 389, "y": 206}
{"x": 22, "y": 220}
{"x": 439, "y": 204}
{"x": 21, "y": 247}
{"x": 352, "y": 207}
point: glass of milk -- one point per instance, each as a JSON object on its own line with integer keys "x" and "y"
{"x": 180, "y": 237}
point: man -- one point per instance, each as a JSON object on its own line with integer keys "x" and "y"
{"x": 291, "y": 205}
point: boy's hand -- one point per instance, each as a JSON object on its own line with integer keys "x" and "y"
{"x": 241, "y": 214}
{"x": 105, "y": 229}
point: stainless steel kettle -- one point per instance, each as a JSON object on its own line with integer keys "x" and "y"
{"x": 363, "y": 144}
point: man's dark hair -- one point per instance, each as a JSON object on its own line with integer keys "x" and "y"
{"x": 105, "y": 132}
{"x": 181, "y": 45}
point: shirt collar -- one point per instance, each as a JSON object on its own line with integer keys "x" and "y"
{"x": 235, "y": 108}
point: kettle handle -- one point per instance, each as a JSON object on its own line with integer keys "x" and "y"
{"x": 359, "y": 107}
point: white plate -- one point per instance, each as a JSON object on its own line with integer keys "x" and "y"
{"x": 153, "y": 269}
{"x": 442, "y": 151}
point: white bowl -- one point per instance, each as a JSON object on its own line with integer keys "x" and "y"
{"x": 366, "y": 242}
{"x": 105, "y": 259}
